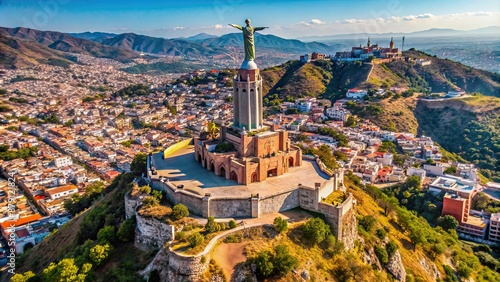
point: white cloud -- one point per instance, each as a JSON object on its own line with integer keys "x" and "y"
{"x": 316, "y": 21}
{"x": 312, "y": 22}
{"x": 218, "y": 26}
{"x": 178, "y": 28}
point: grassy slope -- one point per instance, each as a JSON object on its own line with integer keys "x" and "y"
{"x": 124, "y": 261}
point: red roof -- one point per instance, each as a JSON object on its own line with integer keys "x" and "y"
{"x": 21, "y": 221}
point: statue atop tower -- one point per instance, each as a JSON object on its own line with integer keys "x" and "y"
{"x": 248, "y": 40}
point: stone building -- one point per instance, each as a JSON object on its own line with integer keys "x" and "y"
{"x": 257, "y": 152}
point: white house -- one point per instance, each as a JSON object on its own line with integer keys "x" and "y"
{"x": 63, "y": 161}
{"x": 356, "y": 93}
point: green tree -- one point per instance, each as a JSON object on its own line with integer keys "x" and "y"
{"x": 138, "y": 165}
{"x": 179, "y": 211}
{"x": 280, "y": 224}
{"x": 106, "y": 235}
{"x": 350, "y": 122}
{"x": 99, "y": 253}
{"x": 447, "y": 222}
{"x": 316, "y": 230}
{"x": 212, "y": 226}
{"x": 264, "y": 263}
{"x": 195, "y": 239}
{"x": 126, "y": 231}
{"x": 368, "y": 223}
{"x": 66, "y": 271}
{"x": 284, "y": 262}
{"x": 232, "y": 224}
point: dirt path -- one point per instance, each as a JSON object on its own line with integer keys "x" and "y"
{"x": 228, "y": 256}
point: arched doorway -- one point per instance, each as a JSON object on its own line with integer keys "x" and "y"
{"x": 222, "y": 172}
{"x": 211, "y": 168}
{"x": 254, "y": 177}
{"x": 199, "y": 158}
{"x": 233, "y": 176}
{"x": 290, "y": 162}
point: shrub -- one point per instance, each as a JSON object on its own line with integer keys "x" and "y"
{"x": 99, "y": 253}
{"x": 280, "y": 225}
{"x": 232, "y": 238}
{"x": 283, "y": 261}
{"x": 180, "y": 236}
{"x": 232, "y": 224}
{"x": 158, "y": 195}
{"x": 264, "y": 263}
{"x": 212, "y": 226}
{"x": 463, "y": 270}
{"x": 195, "y": 239}
{"x": 391, "y": 248}
{"x": 488, "y": 260}
{"x": 149, "y": 202}
{"x": 179, "y": 211}
{"x": 381, "y": 233}
{"x": 368, "y": 222}
{"x": 316, "y": 230}
{"x": 126, "y": 231}
{"x": 224, "y": 147}
{"x": 382, "y": 255}
{"x": 222, "y": 226}
{"x": 145, "y": 190}
{"x": 450, "y": 276}
{"x": 106, "y": 235}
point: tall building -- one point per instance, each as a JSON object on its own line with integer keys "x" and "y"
{"x": 246, "y": 151}
{"x": 247, "y": 98}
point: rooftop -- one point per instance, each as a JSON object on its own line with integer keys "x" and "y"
{"x": 181, "y": 168}
{"x": 452, "y": 184}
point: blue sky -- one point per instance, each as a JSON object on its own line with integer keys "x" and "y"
{"x": 290, "y": 18}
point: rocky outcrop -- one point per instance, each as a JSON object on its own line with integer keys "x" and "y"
{"x": 131, "y": 204}
{"x": 349, "y": 229}
{"x": 174, "y": 267}
{"x": 396, "y": 267}
{"x": 151, "y": 233}
{"x": 430, "y": 267}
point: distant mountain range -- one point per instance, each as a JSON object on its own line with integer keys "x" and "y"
{"x": 434, "y": 32}
{"x": 65, "y": 43}
{"x": 24, "y": 46}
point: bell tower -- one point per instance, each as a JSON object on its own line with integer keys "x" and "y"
{"x": 247, "y": 98}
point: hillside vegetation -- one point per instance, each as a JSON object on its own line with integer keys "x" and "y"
{"x": 469, "y": 127}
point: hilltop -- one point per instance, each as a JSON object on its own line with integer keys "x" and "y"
{"x": 331, "y": 80}
{"x": 474, "y": 119}
{"x": 18, "y": 53}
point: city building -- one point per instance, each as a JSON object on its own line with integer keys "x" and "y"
{"x": 375, "y": 51}
{"x": 61, "y": 191}
{"x": 494, "y": 232}
{"x": 356, "y": 93}
{"x": 63, "y": 161}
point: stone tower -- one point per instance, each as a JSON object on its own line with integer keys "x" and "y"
{"x": 391, "y": 45}
{"x": 247, "y": 98}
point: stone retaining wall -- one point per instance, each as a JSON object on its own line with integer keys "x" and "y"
{"x": 151, "y": 233}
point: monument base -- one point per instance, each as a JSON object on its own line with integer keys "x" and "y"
{"x": 248, "y": 65}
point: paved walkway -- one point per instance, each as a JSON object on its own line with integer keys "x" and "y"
{"x": 268, "y": 219}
